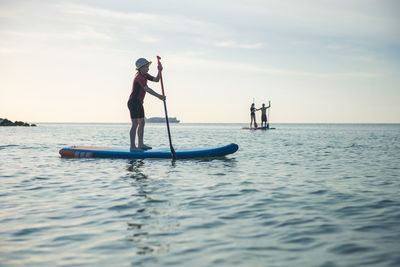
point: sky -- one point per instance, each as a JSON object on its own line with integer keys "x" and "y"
{"x": 317, "y": 61}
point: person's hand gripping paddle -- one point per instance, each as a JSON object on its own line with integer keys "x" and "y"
{"x": 166, "y": 114}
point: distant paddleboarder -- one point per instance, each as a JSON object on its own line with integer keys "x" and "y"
{"x": 135, "y": 103}
{"x": 264, "y": 114}
{"x": 253, "y": 116}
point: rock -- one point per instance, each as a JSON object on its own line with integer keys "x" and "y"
{"x": 6, "y": 122}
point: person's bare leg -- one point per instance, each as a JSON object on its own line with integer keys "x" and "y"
{"x": 132, "y": 135}
{"x": 141, "y": 145}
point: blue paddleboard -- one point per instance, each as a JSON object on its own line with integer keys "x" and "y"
{"x": 118, "y": 152}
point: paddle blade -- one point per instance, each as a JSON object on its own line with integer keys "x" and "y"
{"x": 173, "y": 153}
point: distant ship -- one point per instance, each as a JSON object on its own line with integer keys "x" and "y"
{"x": 162, "y": 119}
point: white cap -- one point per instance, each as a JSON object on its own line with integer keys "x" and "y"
{"x": 141, "y": 62}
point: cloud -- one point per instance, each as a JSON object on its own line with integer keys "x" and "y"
{"x": 263, "y": 69}
{"x": 100, "y": 13}
{"x": 145, "y": 26}
{"x": 152, "y": 27}
{"x": 89, "y": 32}
{"x": 327, "y": 18}
{"x": 8, "y": 50}
{"x": 234, "y": 44}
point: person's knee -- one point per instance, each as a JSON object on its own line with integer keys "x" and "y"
{"x": 141, "y": 123}
{"x": 135, "y": 122}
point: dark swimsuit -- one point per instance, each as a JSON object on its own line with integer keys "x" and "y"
{"x": 135, "y": 108}
{"x": 264, "y": 117}
{"x": 135, "y": 103}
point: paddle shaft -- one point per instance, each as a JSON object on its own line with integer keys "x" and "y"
{"x": 269, "y": 107}
{"x": 166, "y": 113}
{"x": 255, "y": 123}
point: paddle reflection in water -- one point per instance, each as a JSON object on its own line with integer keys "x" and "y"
{"x": 150, "y": 219}
{"x": 170, "y": 207}
{"x": 134, "y": 169}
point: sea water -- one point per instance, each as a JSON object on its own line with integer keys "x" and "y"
{"x": 300, "y": 195}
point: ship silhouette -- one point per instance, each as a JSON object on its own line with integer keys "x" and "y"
{"x": 162, "y": 119}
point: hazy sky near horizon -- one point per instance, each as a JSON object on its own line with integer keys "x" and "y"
{"x": 315, "y": 60}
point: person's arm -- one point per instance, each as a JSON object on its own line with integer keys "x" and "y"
{"x": 157, "y": 78}
{"x": 152, "y": 92}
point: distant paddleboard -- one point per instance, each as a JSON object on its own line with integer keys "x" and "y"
{"x": 258, "y": 128}
{"x": 118, "y": 152}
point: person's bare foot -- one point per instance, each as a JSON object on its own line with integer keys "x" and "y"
{"x": 144, "y": 147}
{"x": 135, "y": 149}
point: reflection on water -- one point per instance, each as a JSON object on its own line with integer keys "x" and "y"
{"x": 145, "y": 220}
{"x": 134, "y": 169}
{"x": 155, "y": 217}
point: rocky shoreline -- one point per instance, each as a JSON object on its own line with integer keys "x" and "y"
{"x": 6, "y": 122}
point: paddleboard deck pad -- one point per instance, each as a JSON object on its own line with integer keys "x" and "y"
{"x": 118, "y": 152}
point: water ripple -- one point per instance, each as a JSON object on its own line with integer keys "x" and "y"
{"x": 302, "y": 195}
{"x": 350, "y": 248}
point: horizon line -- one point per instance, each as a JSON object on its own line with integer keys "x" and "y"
{"x": 127, "y": 122}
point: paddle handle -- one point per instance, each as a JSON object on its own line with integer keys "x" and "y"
{"x": 166, "y": 113}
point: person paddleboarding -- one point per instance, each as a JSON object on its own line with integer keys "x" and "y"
{"x": 264, "y": 114}
{"x": 135, "y": 102}
{"x": 253, "y": 116}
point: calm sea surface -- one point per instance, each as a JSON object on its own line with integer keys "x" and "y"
{"x": 300, "y": 195}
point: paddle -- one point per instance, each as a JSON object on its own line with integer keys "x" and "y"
{"x": 269, "y": 107}
{"x": 166, "y": 114}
